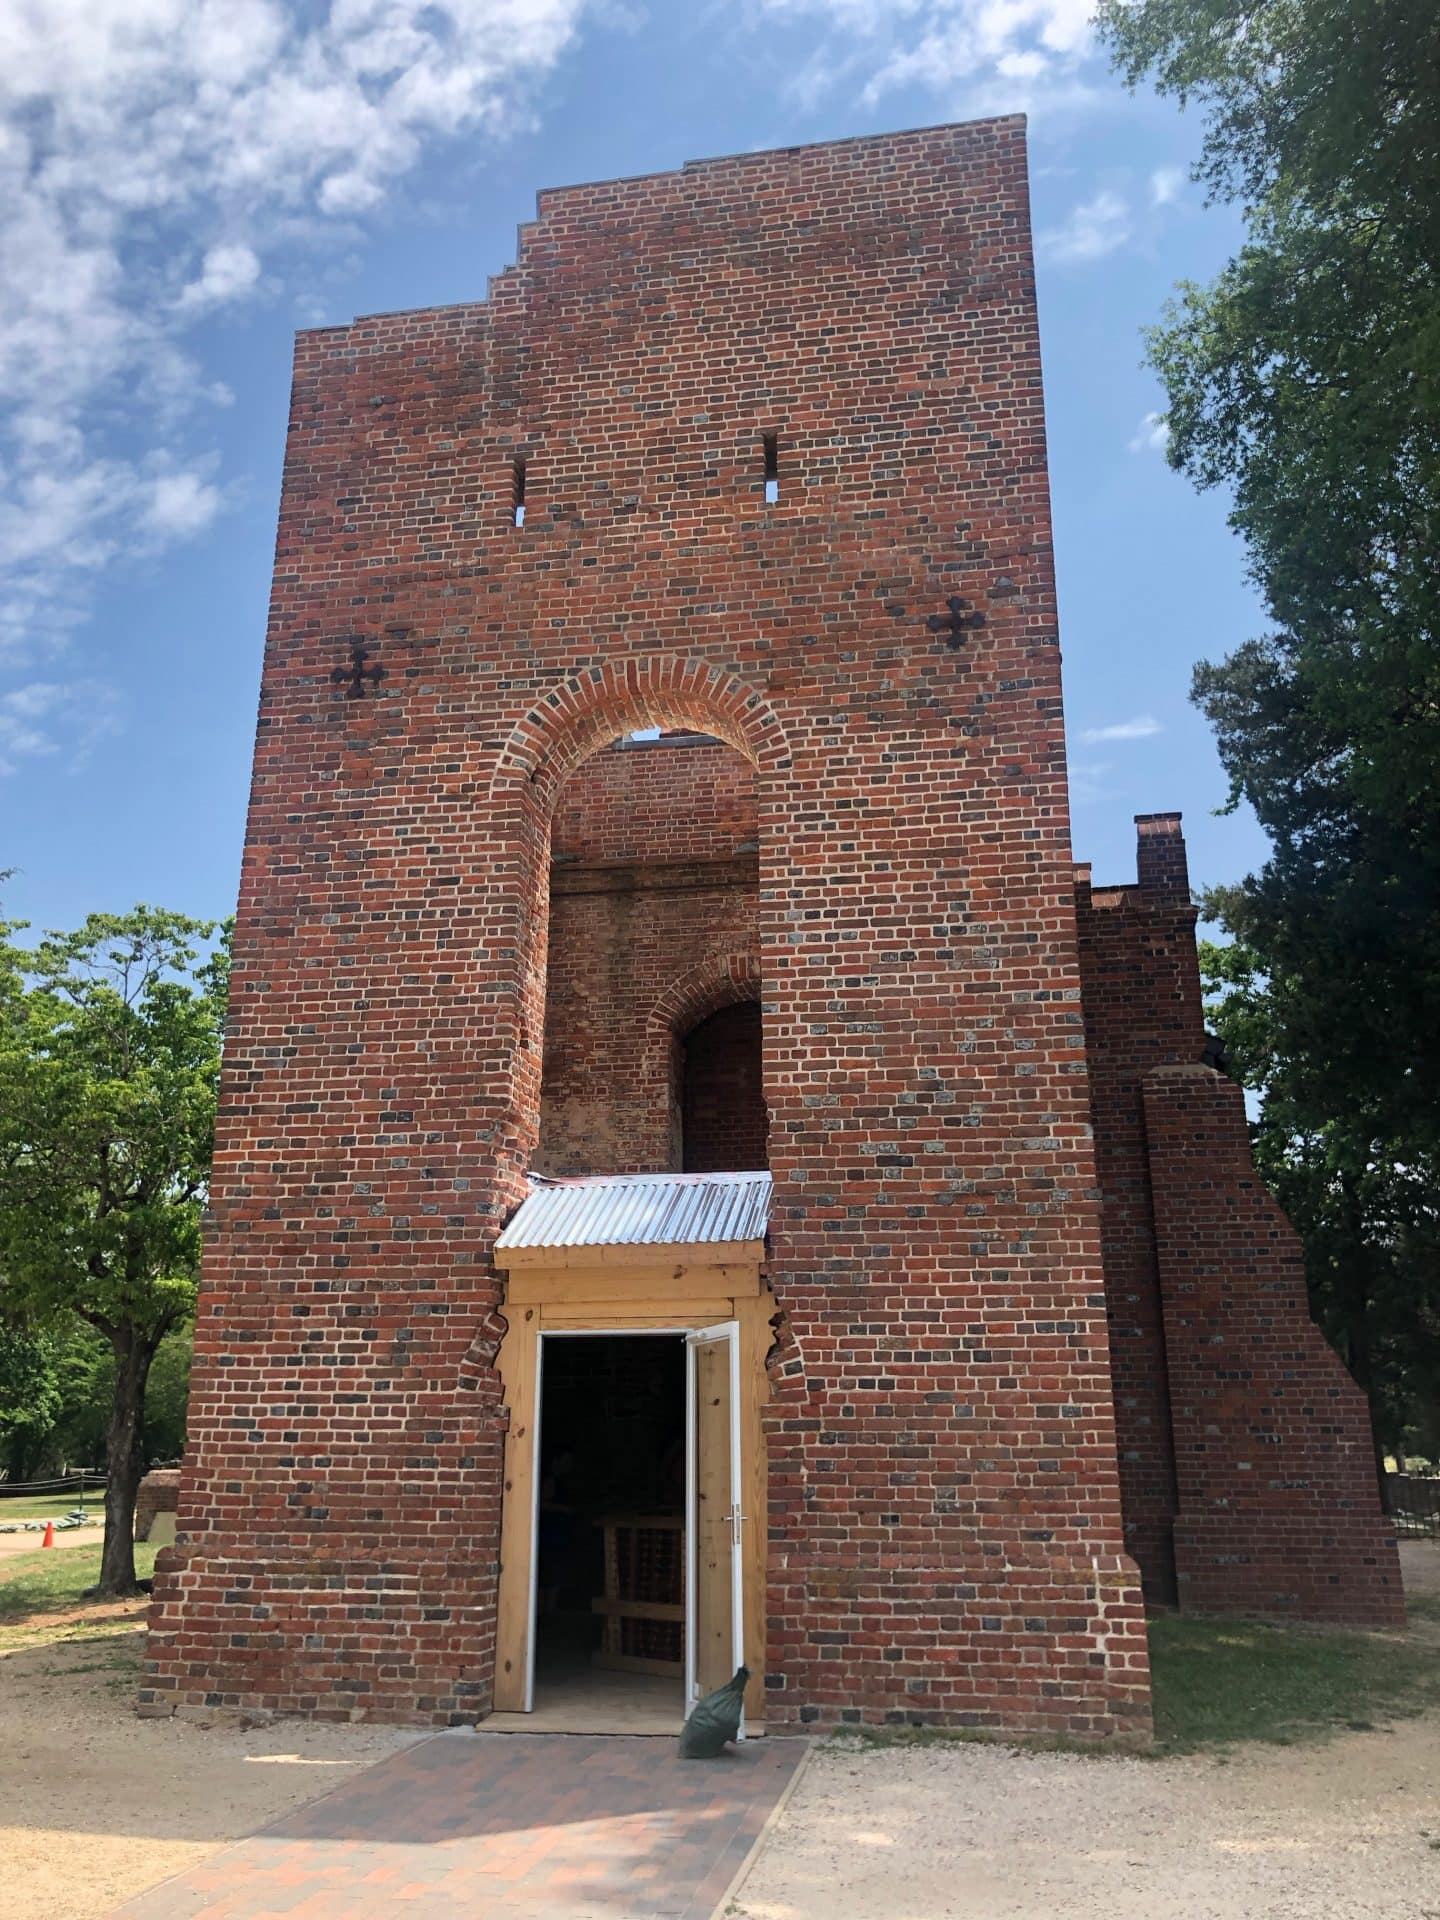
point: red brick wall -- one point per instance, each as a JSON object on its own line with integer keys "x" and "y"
{"x": 1279, "y": 1505}
{"x": 725, "y": 1129}
{"x": 1246, "y": 1472}
{"x": 645, "y": 802}
{"x": 1140, "y": 983}
{"x": 944, "y": 1530}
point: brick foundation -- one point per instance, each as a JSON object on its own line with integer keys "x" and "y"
{"x": 159, "y": 1493}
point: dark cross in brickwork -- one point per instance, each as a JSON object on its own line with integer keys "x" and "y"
{"x": 961, "y": 618}
{"x": 354, "y": 676}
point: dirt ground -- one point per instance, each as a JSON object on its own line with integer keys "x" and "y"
{"x": 96, "y": 1805}
{"x": 12, "y": 1545}
{"x": 1345, "y": 1829}
{"x": 1335, "y": 1832}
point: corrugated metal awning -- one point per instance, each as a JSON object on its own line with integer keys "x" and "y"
{"x": 642, "y": 1210}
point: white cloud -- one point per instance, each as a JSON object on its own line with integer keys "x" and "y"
{"x": 161, "y": 160}
{"x": 1087, "y": 781}
{"x": 1165, "y": 185}
{"x": 227, "y": 273}
{"x": 47, "y": 718}
{"x": 1152, "y": 435}
{"x": 32, "y": 702}
{"x": 1094, "y": 229}
{"x": 181, "y": 504}
{"x": 977, "y": 56}
{"x": 1140, "y": 728}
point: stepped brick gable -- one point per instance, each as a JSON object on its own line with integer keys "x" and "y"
{"x": 479, "y": 941}
{"x": 1274, "y": 1460}
{"x": 1141, "y": 983}
{"x": 1247, "y": 1468}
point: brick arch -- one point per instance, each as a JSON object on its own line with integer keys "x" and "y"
{"x": 719, "y": 980}
{"x": 575, "y": 720}
{"x": 593, "y": 708}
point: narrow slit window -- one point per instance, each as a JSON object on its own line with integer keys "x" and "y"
{"x": 519, "y": 492}
{"x": 772, "y": 468}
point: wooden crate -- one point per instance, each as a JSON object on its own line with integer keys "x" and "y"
{"x": 643, "y": 1605}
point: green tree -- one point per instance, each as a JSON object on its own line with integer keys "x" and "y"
{"x": 1306, "y": 381}
{"x": 109, "y": 1064}
{"x": 31, "y": 1397}
{"x": 1368, "y": 1218}
{"x": 85, "y": 1374}
{"x": 167, "y": 1396}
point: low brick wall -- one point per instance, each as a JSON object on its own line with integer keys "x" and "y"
{"x": 159, "y": 1493}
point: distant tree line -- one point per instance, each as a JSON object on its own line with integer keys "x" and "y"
{"x": 57, "y": 1383}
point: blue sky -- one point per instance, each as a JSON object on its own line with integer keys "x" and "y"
{"x": 185, "y": 182}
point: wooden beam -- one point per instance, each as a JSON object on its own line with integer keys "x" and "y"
{"x": 745, "y": 1254}
{"x": 633, "y": 1316}
{"x": 756, "y": 1336}
{"x": 515, "y": 1362}
{"x": 633, "y": 1663}
{"x": 638, "y": 1609}
{"x": 570, "y": 1284}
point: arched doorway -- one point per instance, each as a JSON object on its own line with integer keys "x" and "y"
{"x": 645, "y": 866}
{"x": 724, "y": 1125}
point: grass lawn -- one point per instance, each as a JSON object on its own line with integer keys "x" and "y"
{"x": 48, "y": 1583}
{"x": 49, "y": 1506}
{"x": 1219, "y": 1682}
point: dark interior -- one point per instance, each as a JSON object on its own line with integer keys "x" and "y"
{"x": 612, "y": 1455}
{"x": 724, "y": 1125}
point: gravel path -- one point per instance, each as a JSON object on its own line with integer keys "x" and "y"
{"x": 13, "y": 1545}
{"x": 98, "y": 1805}
{"x": 1345, "y": 1829}
{"x": 1335, "y": 1832}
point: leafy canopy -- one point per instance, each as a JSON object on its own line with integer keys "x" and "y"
{"x": 1306, "y": 381}
{"x": 109, "y": 1061}
{"x": 1368, "y": 1216}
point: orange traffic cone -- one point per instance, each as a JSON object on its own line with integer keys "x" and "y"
{"x": 49, "y": 1539}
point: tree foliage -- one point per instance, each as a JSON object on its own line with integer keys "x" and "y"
{"x": 31, "y": 1395}
{"x": 1306, "y": 381}
{"x": 82, "y": 1389}
{"x": 1368, "y": 1217}
{"x": 109, "y": 1063}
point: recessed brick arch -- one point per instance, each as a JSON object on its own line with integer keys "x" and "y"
{"x": 575, "y": 720}
{"x": 717, "y": 981}
{"x": 587, "y": 712}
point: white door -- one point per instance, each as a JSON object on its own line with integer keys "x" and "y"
{"x": 714, "y": 1601}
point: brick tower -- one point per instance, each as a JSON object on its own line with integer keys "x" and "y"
{"x": 851, "y": 329}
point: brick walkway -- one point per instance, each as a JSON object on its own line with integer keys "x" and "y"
{"x": 514, "y": 1826}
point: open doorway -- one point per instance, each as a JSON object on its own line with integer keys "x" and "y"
{"x": 724, "y": 1126}
{"x": 610, "y": 1530}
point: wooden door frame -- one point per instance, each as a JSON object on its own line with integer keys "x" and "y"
{"x": 623, "y": 1290}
